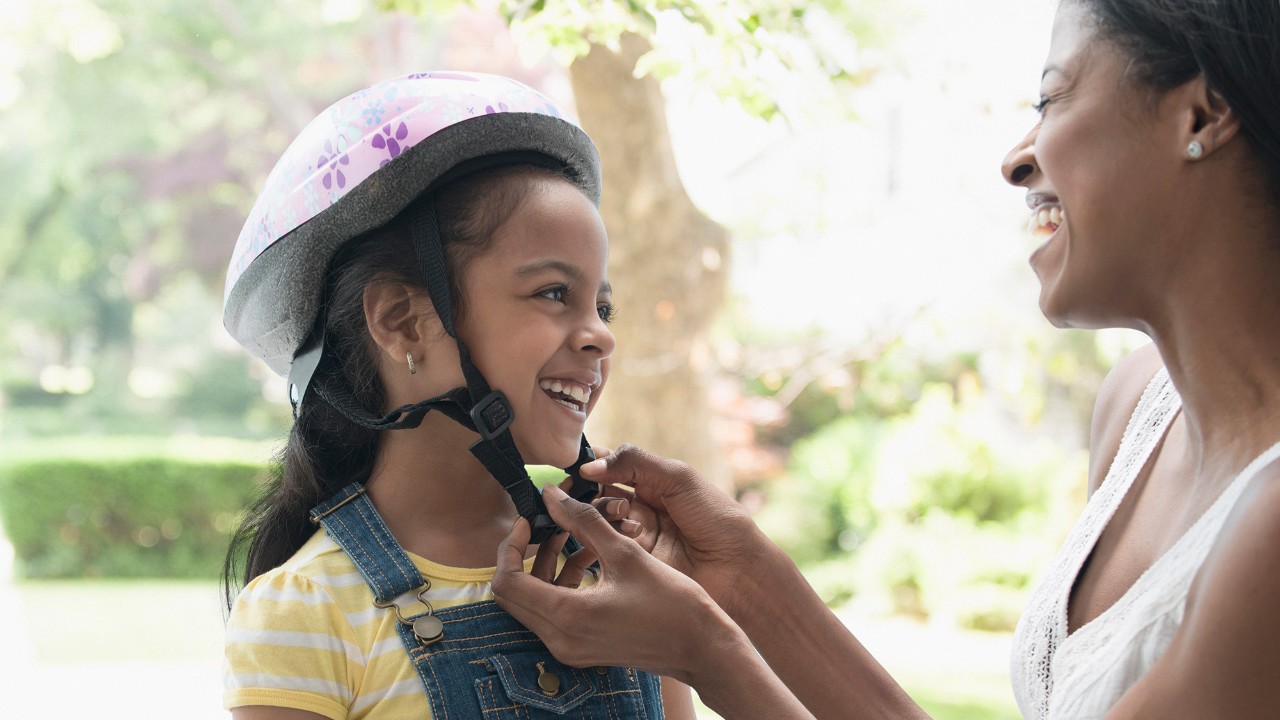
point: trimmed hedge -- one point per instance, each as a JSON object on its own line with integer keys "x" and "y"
{"x": 152, "y": 517}
{"x": 129, "y": 517}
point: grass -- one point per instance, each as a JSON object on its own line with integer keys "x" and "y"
{"x": 149, "y": 621}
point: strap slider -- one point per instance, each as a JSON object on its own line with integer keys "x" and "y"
{"x": 492, "y": 415}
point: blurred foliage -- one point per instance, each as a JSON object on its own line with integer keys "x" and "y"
{"x": 150, "y": 517}
{"x": 754, "y": 53}
{"x": 916, "y": 485}
{"x": 131, "y": 156}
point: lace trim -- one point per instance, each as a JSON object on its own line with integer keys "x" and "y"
{"x": 1043, "y": 626}
{"x": 1088, "y": 673}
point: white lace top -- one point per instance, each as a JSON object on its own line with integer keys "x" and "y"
{"x": 1057, "y": 676}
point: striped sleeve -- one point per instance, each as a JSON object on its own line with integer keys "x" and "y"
{"x": 289, "y": 645}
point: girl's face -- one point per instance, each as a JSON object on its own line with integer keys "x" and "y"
{"x": 1099, "y": 168}
{"x": 537, "y": 307}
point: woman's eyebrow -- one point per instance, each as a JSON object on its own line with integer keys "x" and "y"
{"x": 573, "y": 272}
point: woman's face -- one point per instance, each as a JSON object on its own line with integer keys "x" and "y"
{"x": 537, "y": 308}
{"x": 1098, "y": 168}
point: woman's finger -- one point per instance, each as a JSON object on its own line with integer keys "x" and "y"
{"x": 575, "y": 567}
{"x": 544, "y": 564}
{"x": 612, "y": 508}
{"x": 586, "y": 524}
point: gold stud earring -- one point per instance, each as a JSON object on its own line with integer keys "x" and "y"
{"x": 1195, "y": 150}
{"x": 413, "y": 369}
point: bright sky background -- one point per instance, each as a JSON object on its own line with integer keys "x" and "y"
{"x": 906, "y": 205}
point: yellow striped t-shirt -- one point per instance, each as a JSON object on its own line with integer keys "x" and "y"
{"x": 307, "y": 636}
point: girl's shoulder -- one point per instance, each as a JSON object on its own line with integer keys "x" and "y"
{"x": 318, "y": 576}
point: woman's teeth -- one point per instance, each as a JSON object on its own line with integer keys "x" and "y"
{"x": 580, "y": 393}
{"x": 1046, "y": 221}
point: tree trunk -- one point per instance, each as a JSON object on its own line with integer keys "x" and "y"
{"x": 668, "y": 266}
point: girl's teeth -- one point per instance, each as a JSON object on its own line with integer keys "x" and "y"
{"x": 577, "y": 392}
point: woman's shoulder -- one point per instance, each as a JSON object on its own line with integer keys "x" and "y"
{"x": 1117, "y": 398}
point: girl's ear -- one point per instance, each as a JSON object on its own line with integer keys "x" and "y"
{"x": 392, "y": 312}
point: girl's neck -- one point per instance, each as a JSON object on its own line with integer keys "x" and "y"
{"x": 436, "y": 498}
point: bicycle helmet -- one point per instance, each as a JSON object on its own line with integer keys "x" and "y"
{"x": 369, "y": 157}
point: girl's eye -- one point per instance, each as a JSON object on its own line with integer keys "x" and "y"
{"x": 1040, "y": 104}
{"x": 556, "y": 293}
{"x": 606, "y": 311}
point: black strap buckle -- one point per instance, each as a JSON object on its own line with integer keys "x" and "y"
{"x": 583, "y": 490}
{"x": 492, "y": 415}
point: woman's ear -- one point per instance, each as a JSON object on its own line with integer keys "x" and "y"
{"x": 1210, "y": 121}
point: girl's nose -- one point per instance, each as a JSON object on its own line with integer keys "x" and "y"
{"x": 596, "y": 336}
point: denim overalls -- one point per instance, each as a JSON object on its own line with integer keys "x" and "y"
{"x": 485, "y": 664}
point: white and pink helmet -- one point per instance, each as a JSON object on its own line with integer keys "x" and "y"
{"x": 356, "y": 166}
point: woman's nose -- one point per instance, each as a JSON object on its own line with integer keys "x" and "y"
{"x": 1019, "y": 165}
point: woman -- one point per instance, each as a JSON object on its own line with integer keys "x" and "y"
{"x": 1153, "y": 177}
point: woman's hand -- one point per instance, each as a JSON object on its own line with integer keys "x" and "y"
{"x": 639, "y": 612}
{"x": 684, "y": 521}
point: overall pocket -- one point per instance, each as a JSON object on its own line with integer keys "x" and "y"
{"x": 533, "y": 685}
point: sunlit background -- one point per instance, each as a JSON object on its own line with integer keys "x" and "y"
{"x": 859, "y": 351}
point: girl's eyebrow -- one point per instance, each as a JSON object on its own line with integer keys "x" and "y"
{"x": 572, "y": 271}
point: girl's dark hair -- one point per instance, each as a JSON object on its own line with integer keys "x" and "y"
{"x": 326, "y": 451}
{"x": 1235, "y": 44}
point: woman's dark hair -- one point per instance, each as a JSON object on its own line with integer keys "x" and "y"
{"x": 326, "y": 451}
{"x": 1235, "y": 44}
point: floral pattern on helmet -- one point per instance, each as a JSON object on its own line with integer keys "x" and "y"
{"x": 359, "y": 134}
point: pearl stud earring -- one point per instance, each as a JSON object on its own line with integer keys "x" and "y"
{"x": 1195, "y": 150}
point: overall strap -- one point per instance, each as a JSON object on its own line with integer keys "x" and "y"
{"x": 353, "y": 523}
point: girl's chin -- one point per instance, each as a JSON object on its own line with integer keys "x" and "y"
{"x": 561, "y": 457}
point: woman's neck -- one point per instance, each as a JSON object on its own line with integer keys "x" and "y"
{"x": 436, "y": 498}
{"x": 1223, "y": 354}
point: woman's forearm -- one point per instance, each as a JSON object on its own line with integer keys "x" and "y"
{"x": 732, "y": 679}
{"x": 809, "y": 649}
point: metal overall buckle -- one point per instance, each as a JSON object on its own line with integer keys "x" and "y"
{"x": 426, "y": 627}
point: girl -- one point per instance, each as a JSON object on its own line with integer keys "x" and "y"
{"x": 433, "y": 236}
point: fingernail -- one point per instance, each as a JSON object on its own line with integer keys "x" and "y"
{"x": 631, "y": 528}
{"x": 618, "y": 507}
{"x": 595, "y": 467}
{"x": 553, "y": 492}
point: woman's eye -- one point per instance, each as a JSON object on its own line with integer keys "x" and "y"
{"x": 606, "y": 311}
{"x": 1040, "y": 104}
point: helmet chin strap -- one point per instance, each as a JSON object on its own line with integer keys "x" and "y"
{"x": 491, "y": 418}
{"x": 488, "y": 410}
